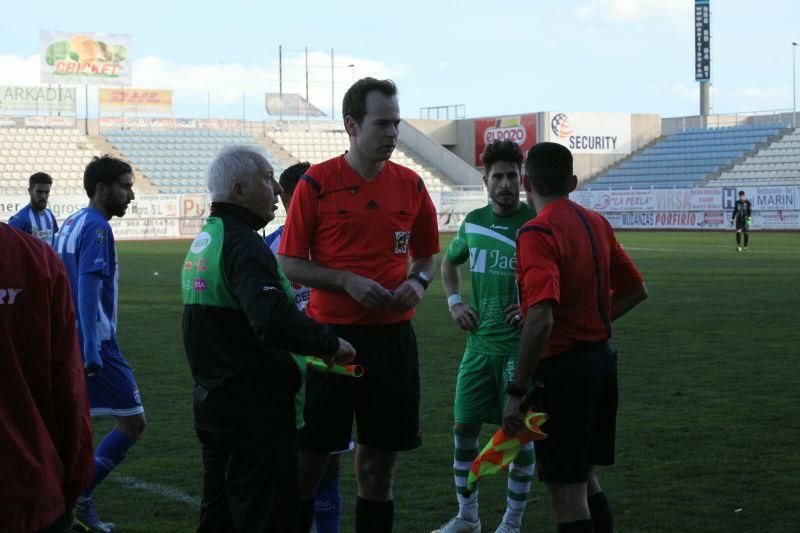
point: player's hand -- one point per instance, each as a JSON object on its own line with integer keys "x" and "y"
{"x": 749, "y": 221}
{"x": 465, "y": 316}
{"x": 513, "y": 316}
{"x": 345, "y": 354}
{"x": 367, "y": 292}
{"x": 513, "y": 419}
{"x": 92, "y": 363}
{"x": 92, "y": 369}
{"x": 406, "y": 296}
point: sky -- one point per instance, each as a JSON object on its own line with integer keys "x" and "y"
{"x": 495, "y": 58}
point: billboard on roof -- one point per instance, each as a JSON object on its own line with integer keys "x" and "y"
{"x": 51, "y": 99}
{"x": 590, "y": 133}
{"x": 85, "y": 58}
{"x": 290, "y": 104}
{"x": 135, "y": 101}
{"x": 518, "y": 128}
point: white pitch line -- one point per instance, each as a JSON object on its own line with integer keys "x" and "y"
{"x": 156, "y": 488}
{"x": 709, "y": 249}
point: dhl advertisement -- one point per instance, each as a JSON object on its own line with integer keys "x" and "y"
{"x": 135, "y": 101}
{"x": 85, "y": 58}
{"x": 518, "y": 128}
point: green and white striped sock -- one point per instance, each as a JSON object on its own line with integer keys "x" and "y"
{"x": 466, "y": 450}
{"x": 520, "y": 474}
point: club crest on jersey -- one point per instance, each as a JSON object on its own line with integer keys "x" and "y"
{"x": 187, "y": 265}
{"x": 401, "y": 239}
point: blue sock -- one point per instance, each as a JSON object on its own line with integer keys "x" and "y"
{"x": 327, "y": 505}
{"x": 109, "y": 453}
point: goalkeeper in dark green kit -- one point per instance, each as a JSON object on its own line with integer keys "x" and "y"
{"x": 742, "y": 217}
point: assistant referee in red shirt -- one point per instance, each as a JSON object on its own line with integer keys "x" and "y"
{"x": 353, "y": 224}
{"x": 574, "y": 281}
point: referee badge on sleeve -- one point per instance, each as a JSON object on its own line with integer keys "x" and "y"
{"x": 401, "y": 241}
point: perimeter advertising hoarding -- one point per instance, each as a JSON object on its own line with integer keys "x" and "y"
{"x": 51, "y": 99}
{"x": 85, "y": 58}
{"x": 143, "y": 123}
{"x": 518, "y": 128}
{"x": 135, "y": 101}
{"x": 701, "y": 208}
{"x": 590, "y": 133}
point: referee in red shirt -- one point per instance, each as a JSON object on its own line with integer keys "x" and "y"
{"x": 574, "y": 281}
{"x": 359, "y": 218}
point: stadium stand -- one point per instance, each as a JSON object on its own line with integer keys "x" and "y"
{"x": 175, "y": 161}
{"x": 62, "y": 153}
{"x": 776, "y": 164}
{"x": 687, "y": 158}
{"x": 318, "y": 145}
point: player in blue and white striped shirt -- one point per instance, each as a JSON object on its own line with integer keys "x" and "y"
{"x": 86, "y": 246}
{"x": 35, "y": 218}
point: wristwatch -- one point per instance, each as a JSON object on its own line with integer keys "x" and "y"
{"x": 421, "y": 277}
{"x": 513, "y": 390}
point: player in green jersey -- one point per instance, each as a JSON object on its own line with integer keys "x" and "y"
{"x": 487, "y": 237}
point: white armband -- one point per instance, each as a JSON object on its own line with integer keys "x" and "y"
{"x": 453, "y": 299}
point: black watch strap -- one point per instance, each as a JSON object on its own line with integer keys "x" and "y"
{"x": 423, "y": 280}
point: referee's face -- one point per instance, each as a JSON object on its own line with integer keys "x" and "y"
{"x": 376, "y": 137}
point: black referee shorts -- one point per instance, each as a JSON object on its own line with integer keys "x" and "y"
{"x": 579, "y": 391}
{"x": 385, "y": 400}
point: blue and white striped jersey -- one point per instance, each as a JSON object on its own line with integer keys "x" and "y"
{"x": 41, "y": 224}
{"x": 301, "y": 292}
{"x": 85, "y": 244}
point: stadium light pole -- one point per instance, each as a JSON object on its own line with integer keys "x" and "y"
{"x": 794, "y": 85}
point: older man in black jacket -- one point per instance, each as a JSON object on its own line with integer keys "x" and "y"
{"x": 238, "y": 329}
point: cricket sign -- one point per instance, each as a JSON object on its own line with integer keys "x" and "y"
{"x": 85, "y": 58}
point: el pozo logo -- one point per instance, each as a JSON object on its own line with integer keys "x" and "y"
{"x": 506, "y": 129}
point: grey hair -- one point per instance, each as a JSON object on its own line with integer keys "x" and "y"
{"x": 231, "y": 165}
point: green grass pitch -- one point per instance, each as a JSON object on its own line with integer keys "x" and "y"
{"x": 708, "y": 428}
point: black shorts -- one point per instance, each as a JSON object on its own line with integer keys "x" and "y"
{"x": 578, "y": 389}
{"x": 385, "y": 400}
{"x": 741, "y": 225}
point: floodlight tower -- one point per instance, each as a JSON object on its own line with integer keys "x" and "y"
{"x": 702, "y": 53}
{"x": 794, "y": 86}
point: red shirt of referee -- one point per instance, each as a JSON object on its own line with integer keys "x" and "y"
{"x": 360, "y": 217}
{"x": 574, "y": 281}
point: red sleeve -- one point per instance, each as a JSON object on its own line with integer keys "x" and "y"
{"x": 301, "y": 221}
{"x": 538, "y": 275}
{"x": 73, "y": 436}
{"x": 625, "y": 277}
{"x": 424, "y": 241}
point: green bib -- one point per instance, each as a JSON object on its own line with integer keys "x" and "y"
{"x": 203, "y": 276}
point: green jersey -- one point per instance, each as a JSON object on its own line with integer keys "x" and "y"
{"x": 488, "y": 240}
